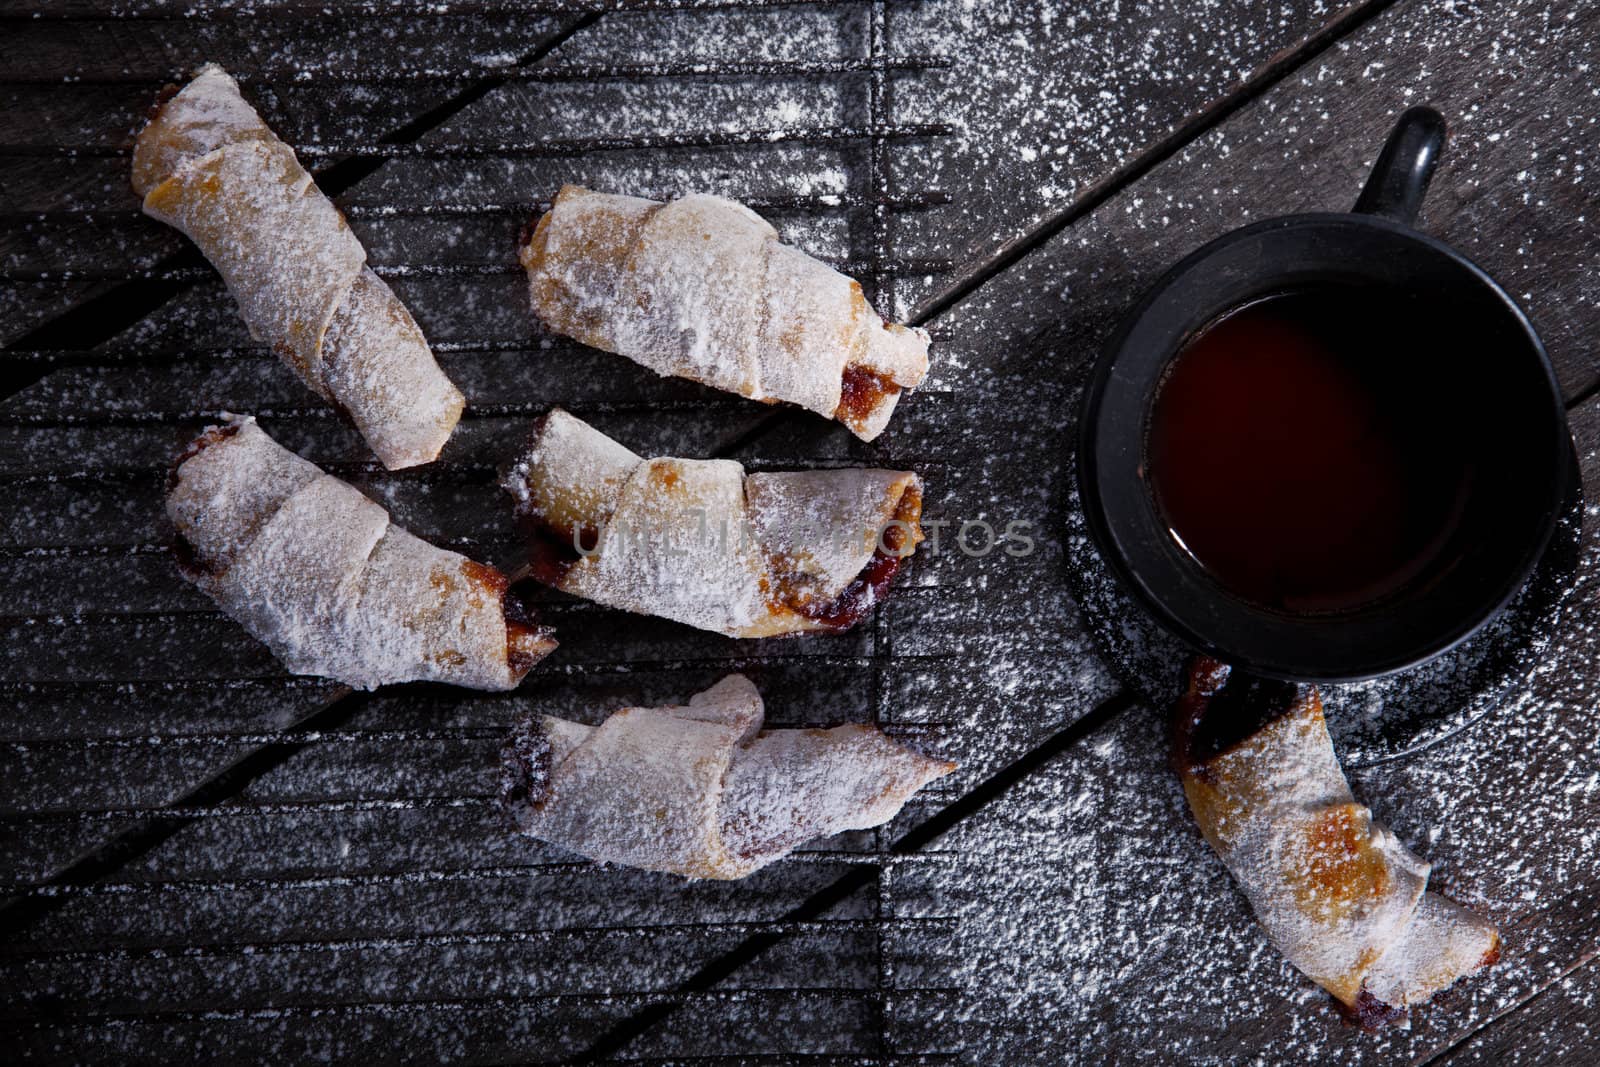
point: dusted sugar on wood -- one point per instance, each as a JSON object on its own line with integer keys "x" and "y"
{"x": 701, "y": 288}
{"x": 703, "y": 543}
{"x": 700, "y": 789}
{"x": 316, "y": 571}
{"x": 207, "y": 165}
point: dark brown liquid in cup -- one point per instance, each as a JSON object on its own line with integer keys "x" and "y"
{"x": 1298, "y": 452}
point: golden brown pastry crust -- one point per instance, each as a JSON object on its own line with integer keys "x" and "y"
{"x": 1338, "y": 893}
{"x": 702, "y": 542}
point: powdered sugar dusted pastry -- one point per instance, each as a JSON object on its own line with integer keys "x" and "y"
{"x": 209, "y": 166}
{"x": 317, "y": 572}
{"x": 701, "y": 288}
{"x": 700, "y": 789}
{"x": 1338, "y": 893}
{"x": 701, "y": 542}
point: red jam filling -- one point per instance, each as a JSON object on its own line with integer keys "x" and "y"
{"x": 857, "y": 598}
{"x": 1370, "y": 1013}
{"x": 526, "y": 641}
{"x": 860, "y": 392}
{"x": 1217, "y": 712}
{"x": 524, "y": 768}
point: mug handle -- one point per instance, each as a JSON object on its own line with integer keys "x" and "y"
{"x": 1399, "y": 180}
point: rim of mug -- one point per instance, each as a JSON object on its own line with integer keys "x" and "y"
{"x": 1093, "y": 504}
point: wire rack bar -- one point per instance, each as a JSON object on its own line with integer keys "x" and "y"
{"x": 553, "y": 73}
{"x": 188, "y": 11}
{"x": 617, "y": 998}
{"x": 427, "y": 270}
{"x": 570, "y": 146}
{"x": 814, "y": 204}
{"x": 469, "y": 938}
{"x": 431, "y": 875}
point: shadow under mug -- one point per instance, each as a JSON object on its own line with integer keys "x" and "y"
{"x": 1490, "y": 367}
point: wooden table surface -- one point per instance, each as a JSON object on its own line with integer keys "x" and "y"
{"x": 207, "y": 859}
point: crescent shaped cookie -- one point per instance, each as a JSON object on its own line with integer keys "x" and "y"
{"x": 700, "y": 789}
{"x": 1339, "y": 894}
{"x": 702, "y": 542}
{"x": 316, "y": 571}
{"x": 207, "y": 165}
{"x": 701, "y": 288}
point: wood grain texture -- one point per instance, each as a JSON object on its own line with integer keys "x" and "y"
{"x": 1560, "y": 1026}
{"x": 1056, "y": 103}
{"x": 1139, "y": 948}
{"x": 1015, "y": 344}
{"x": 362, "y": 896}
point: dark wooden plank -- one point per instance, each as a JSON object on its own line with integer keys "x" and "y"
{"x": 1511, "y": 191}
{"x": 779, "y": 33}
{"x": 994, "y": 662}
{"x": 1094, "y": 918}
{"x": 60, "y": 780}
{"x": 1559, "y": 1027}
{"x": 25, "y": 305}
{"x": 1053, "y": 101}
{"x": 30, "y": 185}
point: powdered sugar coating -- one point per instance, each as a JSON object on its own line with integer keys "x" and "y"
{"x": 1336, "y": 891}
{"x": 316, "y": 570}
{"x": 699, "y": 541}
{"x": 701, "y": 288}
{"x": 1442, "y": 942}
{"x": 377, "y": 366}
{"x": 700, "y": 790}
{"x": 283, "y": 248}
{"x": 210, "y": 167}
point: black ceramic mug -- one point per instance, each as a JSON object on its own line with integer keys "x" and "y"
{"x": 1471, "y": 358}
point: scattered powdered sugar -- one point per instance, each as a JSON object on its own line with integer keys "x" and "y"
{"x": 1095, "y": 922}
{"x": 1079, "y": 917}
{"x": 1334, "y": 890}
